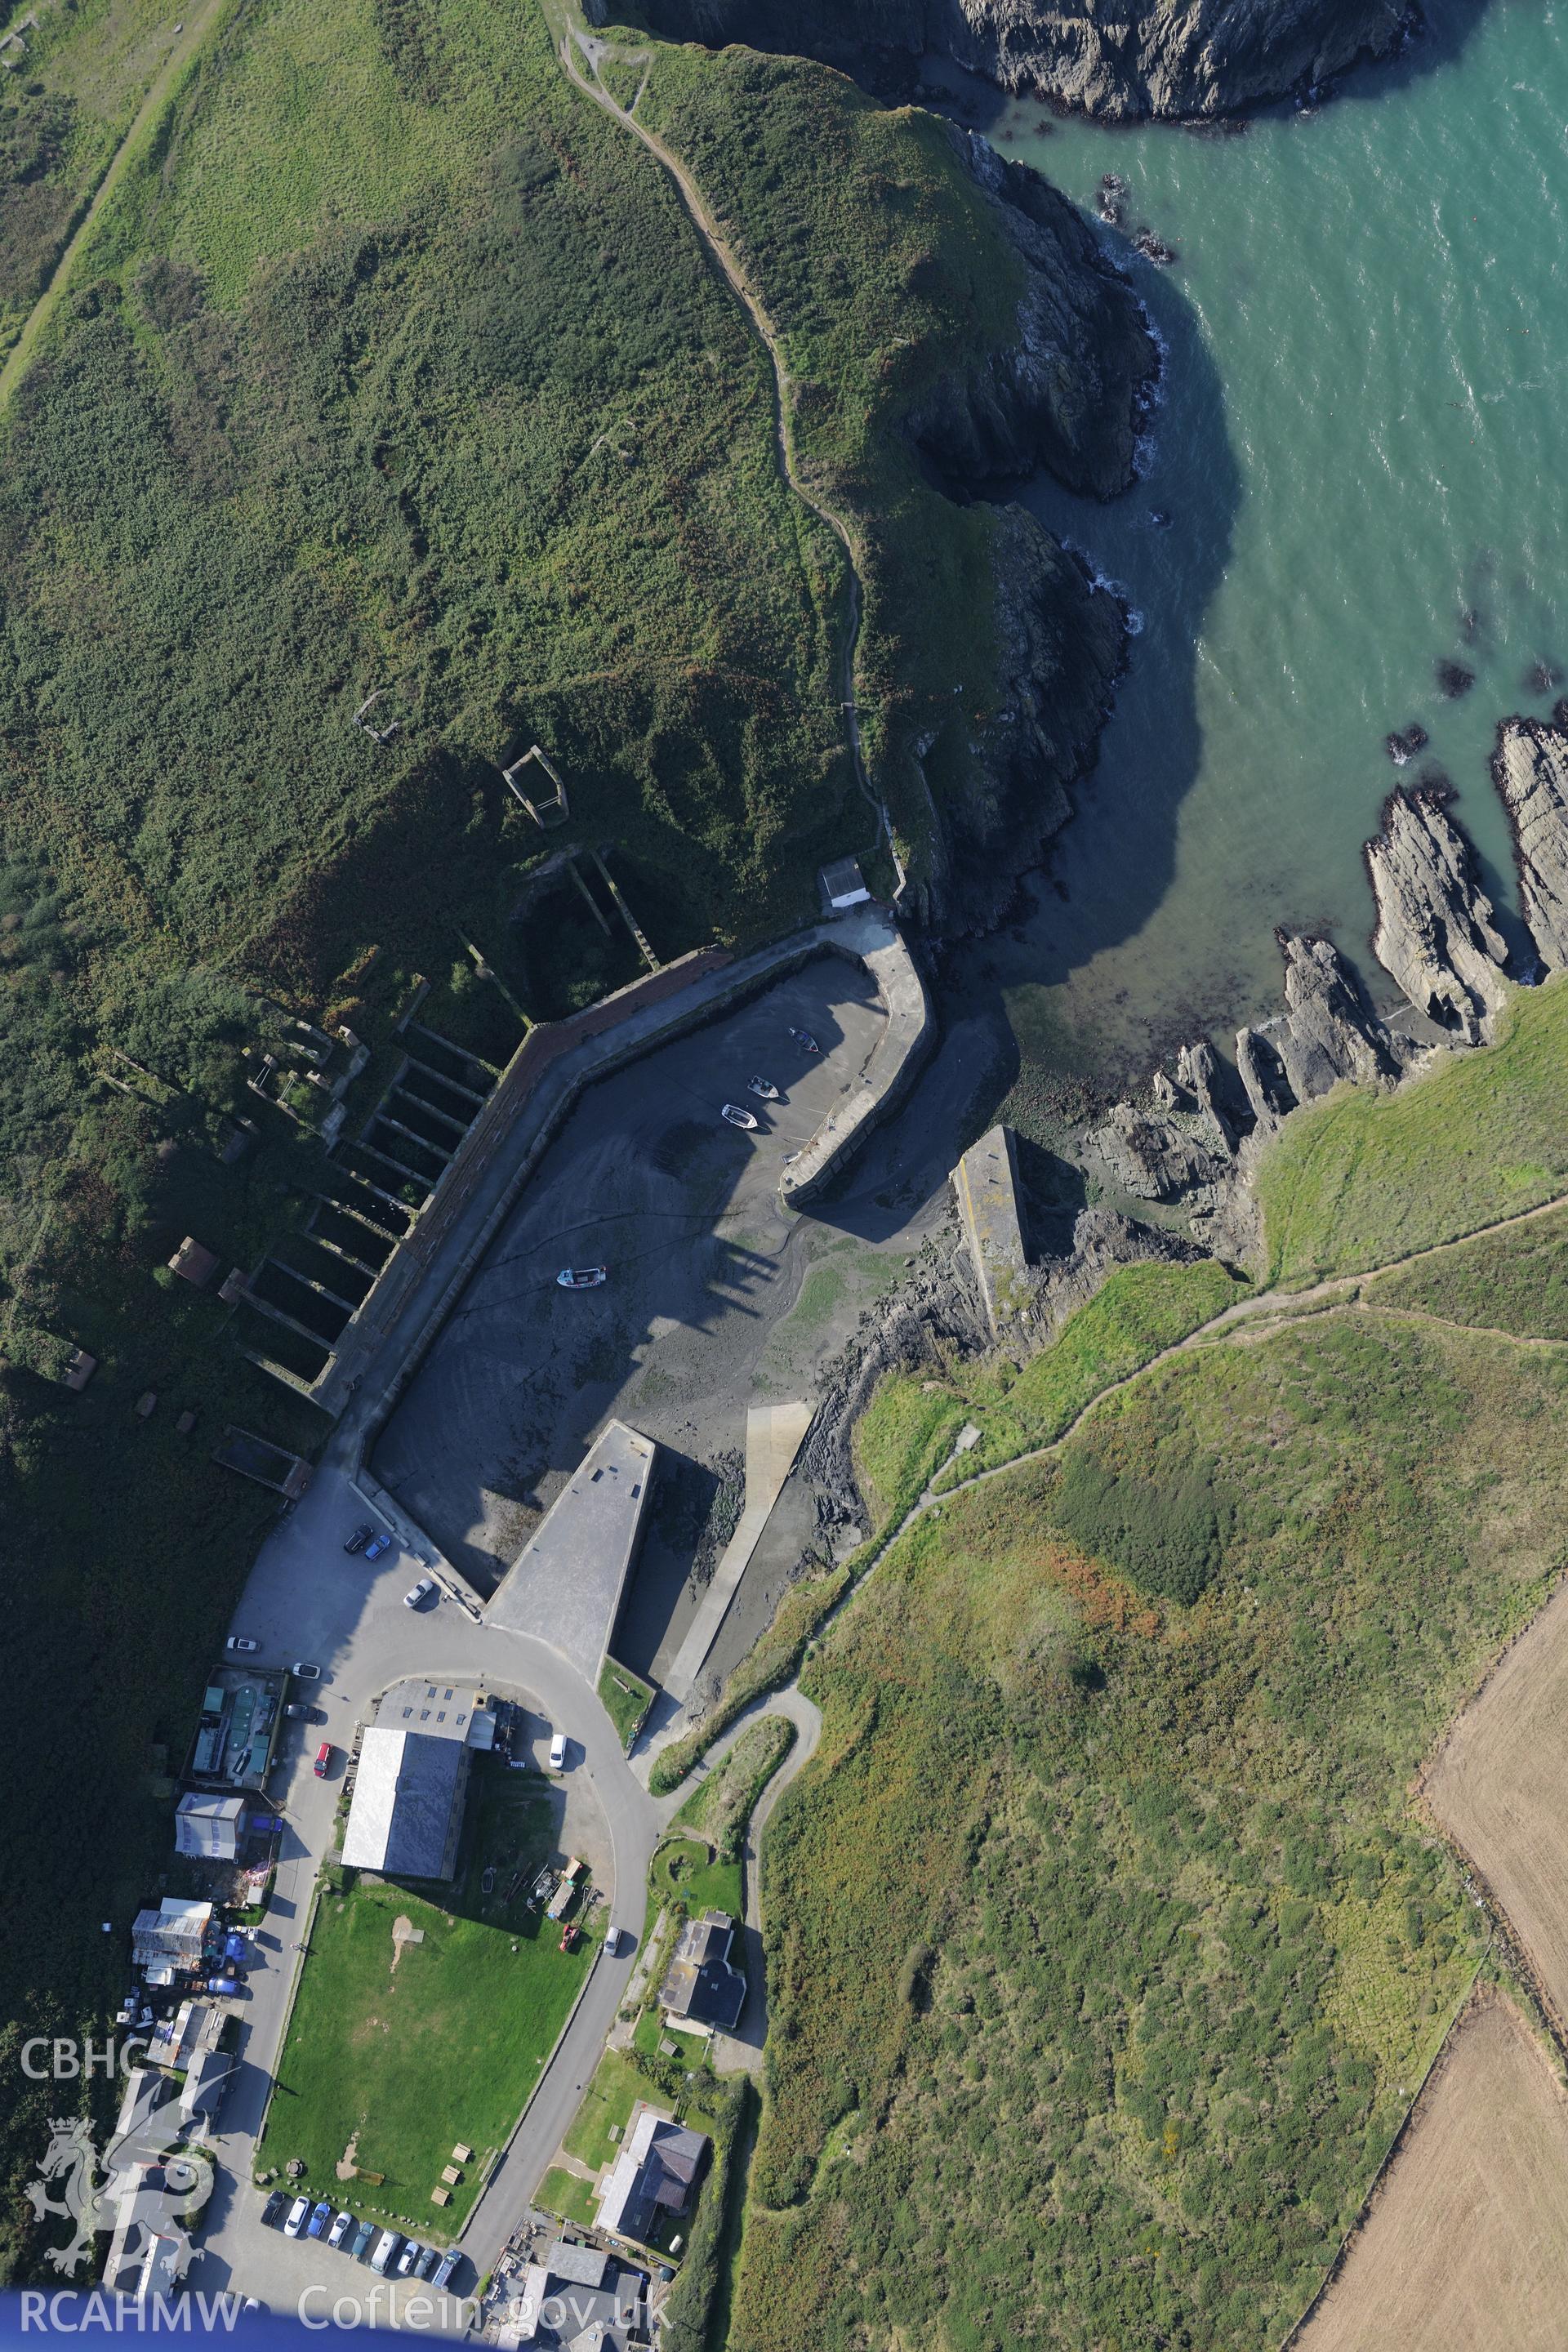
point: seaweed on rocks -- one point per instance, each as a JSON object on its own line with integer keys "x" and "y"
{"x": 1401, "y": 748}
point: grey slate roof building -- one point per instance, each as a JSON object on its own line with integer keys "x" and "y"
{"x": 703, "y": 1992}
{"x": 578, "y": 2298}
{"x": 654, "y": 2175}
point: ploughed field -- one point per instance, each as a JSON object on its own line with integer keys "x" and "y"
{"x": 1466, "y": 2245}
{"x": 1497, "y": 1789}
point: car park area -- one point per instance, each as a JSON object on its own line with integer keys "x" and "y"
{"x": 647, "y": 1180}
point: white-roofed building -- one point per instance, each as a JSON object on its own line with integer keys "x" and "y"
{"x": 413, "y": 1776}
{"x": 209, "y": 1827}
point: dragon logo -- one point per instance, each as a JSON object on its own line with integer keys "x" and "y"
{"x": 147, "y": 2188}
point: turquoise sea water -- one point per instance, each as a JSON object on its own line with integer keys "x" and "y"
{"x": 1363, "y": 453}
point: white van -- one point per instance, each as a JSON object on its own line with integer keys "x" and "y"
{"x": 386, "y": 2245}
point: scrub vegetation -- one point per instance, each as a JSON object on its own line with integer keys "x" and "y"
{"x": 1172, "y": 1952}
{"x": 386, "y": 362}
{"x": 1143, "y": 2002}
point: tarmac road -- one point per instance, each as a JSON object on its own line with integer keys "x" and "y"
{"x": 307, "y": 1599}
{"x": 706, "y": 1270}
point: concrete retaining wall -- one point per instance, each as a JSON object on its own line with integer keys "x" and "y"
{"x": 536, "y": 1095}
{"x": 872, "y": 940}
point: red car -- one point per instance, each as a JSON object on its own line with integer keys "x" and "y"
{"x": 323, "y": 1758}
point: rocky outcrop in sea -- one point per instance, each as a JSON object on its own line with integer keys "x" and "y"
{"x": 1193, "y": 1146}
{"x": 1069, "y": 391}
{"x": 1437, "y": 932}
{"x": 1170, "y": 57}
{"x": 1530, "y": 769}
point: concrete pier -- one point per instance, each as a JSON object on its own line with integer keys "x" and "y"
{"x": 986, "y": 1183}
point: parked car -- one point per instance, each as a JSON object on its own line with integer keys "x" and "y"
{"x": 272, "y": 2212}
{"x": 297, "y": 2213}
{"x": 558, "y": 1751}
{"x": 386, "y": 2246}
{"x": 304, "y": 1673}
{"x": 376, "y": 1545}
{"x": 805, "y": 1040}
{"x": 408, "y": 2257}
{"x": 323, "y": 1759}
{"x": 241, "y": 1643}
{"x": 341, "y": 2224}
{"x": 297, "y": 1713}
{"x": 316, "y": 2227}
{"x": 419, "y": 1594}
{"x": 223, "y": 1984}
{"x": 361, "y": 2244}
{"x": 426, "y": 2263}
{"x": 360, "y": 1537}
{"x": 736, "y": 1116}
{"x": 764, "y": 1088}
{"x": 581, "y": 1277}
{"x": 612, "y": 1942}
{"x": 444, "y": 2267}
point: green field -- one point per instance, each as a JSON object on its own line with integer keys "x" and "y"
{"x": 601, "y": 2120}
{"x": 408, "y": 2059}
{"x": 568, "y": 2195}
{"x": 683, "y": 1872}
{"x": 1365, "y": 1178}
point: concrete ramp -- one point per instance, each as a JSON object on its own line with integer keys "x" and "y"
{"x": 986, "y": 1183}
{"x": 774, "y": 1434}
{"x": 567, "y": 1583}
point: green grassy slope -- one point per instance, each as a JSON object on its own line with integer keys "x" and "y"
{"x": 388, "y": 360}
{"x": 1365, "y": 1178}
{"x": 1513, "y": 1281}
{"x": 1157, "y": 1951}
{"x": 881, "y": 269}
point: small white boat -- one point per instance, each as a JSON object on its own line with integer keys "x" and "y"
{"x": 736, "y": 1116}
{"x": 581, "y": 1277}
{"x": 765, "y": 1089}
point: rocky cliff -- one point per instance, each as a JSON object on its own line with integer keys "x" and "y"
{"x": 1060, "y": 647}
{"x": 1530, "y": 769}
{"x": 1436, "y": 935}
{"x": 1183, "y": 58}
{"x": 1070, "y": 389}
{"x": 1066, "y": 391}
